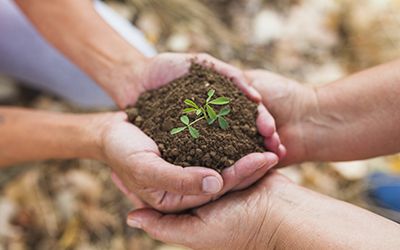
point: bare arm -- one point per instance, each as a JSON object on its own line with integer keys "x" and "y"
{"x": 315, "y": 221}
{"x": 35, "y": 135}
{"x": 75, "y": 28}
{"x": 353, "y": 118}
{"x": 274, "y": 214}
{"x": 358, "y": 116}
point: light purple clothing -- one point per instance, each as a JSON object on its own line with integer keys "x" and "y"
{"x": 26, "y": 55}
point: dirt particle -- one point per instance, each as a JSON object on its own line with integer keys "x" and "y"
{"x": 139, "y": 121}
{"x": 174, "y": 152}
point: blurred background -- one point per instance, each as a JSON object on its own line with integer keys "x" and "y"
{"x": 73, "y": 204}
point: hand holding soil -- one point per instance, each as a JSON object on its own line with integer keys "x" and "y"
{"x": 161, "y": 69}
{"x": 181, "y": 118}
{"x": 163, "y": 183}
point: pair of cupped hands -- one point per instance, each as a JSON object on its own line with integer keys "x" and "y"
{"x": 155, "y": 186}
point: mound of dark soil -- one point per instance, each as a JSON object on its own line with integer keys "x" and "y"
{"x": 158, "y": 111}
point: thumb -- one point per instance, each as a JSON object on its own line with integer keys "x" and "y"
{"x": 176, "y": 229}
{"x": 157, "y": 173}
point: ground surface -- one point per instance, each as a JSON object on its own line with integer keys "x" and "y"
{"x": 74, "y": 205}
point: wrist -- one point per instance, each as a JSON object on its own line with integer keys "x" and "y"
{"x": 98, "y": 127}
{"x": 283, "y": 216}
{"x": 122, "y": 78}
{"x": 279, "y": 201}
{"x": 94, "y": 129}
{"x": 320, "y": 124}
{"x": 299, "y": 127}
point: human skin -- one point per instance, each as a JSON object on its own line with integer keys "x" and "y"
{"x": 28, "y": 135}
{"x": 353, "y": 118}
{"x": 75, "y": 28}
{"x": 273, "y": 214}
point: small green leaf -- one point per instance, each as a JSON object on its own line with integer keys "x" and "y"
{"x": 191, "y": 103}
{"x": 177, "y": 130}
{"x": 211, "y": 121}
{"x": 194, "y": 132}
{"x": 224, "y": 111}
{"x": 198, "y": 112}
{"x": 189, "y": 110}
{"x": 211, "y": 113}
{"x": 223, "y": 123}
{"x": 220, "y": 101}
{"x": 185, "y": 120}
{"x": 204, "y": 112}
{"x": 210, "y": 94}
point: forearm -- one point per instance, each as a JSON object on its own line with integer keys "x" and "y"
{"x": 312, "y": 221}
{"x": 36, "y": 135}
{"x": 357, "y": 117}
{"x": 75, "y": 28}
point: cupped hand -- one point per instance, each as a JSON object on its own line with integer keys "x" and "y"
{"x": 246, "y": 219}
{"x": 165, "y": 67}
{"x": 147, "y": 179}
{"x": 292, "y": 105}
{"x": 274, "y": 214}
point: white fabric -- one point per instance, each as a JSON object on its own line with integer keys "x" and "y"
{"x": 25, "y": 55}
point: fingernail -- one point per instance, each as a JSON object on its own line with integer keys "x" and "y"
{"x": 211, "y": 185}
{"x": 134, "y": 222}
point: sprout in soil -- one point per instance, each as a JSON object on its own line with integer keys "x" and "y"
{"x": 204, "y": 112}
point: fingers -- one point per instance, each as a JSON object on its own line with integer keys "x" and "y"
{"x": 265, "y": 83}
{"x": 235, "y": 74}
{"x": 282, "y": 152}
{"x": 242, "y": 170}
{"x": 154, "y": 172}
{"x": 266, "y": 127}
{"x": 273, "y": 143}
{"x": 265, "y": 122}
{"x": 177, "y": 229}
{"x": 247, "y": 167}
{"x": 266, "y": 76}
{"x": 252, "y": 179}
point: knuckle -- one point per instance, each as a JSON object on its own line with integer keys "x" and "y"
{"x": 182, "y": 185}
{"x": 163, "y": 206}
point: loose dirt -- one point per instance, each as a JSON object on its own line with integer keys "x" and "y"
{"x": 158, "y": 111}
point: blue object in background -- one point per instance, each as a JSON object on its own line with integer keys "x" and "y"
{"x": 384, "y": 190}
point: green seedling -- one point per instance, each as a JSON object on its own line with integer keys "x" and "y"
{"x": 188, "y": 125}
{"x": 206, "y": 112}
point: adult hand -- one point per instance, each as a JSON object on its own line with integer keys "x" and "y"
{"x": 241, "y": 220}
{"x": 140, "y": 171}
{"x": 274, "y": 214}
{"x": 293, "y": 106}
{"x": 149, "y": 180}
{"x": 353, "y": 118}
{"x": 152, "y": 73}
